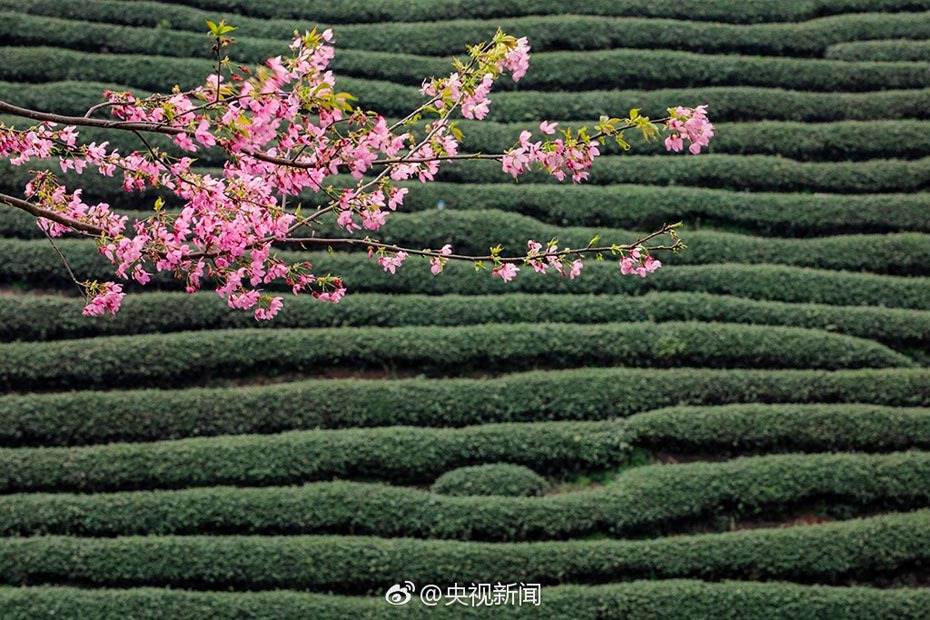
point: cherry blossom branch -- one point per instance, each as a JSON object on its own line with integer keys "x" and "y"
{"x": 58, "y": 218}
{"x": 278, "y": 128}
{"x": 83, "y": 121}
{"x": 350, "y": 241}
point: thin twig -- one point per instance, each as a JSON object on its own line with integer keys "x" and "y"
{"x": 80, "y": 285}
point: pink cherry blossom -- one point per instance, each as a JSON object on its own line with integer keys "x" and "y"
{"x": 437, "y": 263}
{"x": 392, "y": 263}
{"x": 575, "y": 269}
{"x": 266, "y": 314}
{"x": 689, "y": 124}
{"x": 107, "y": 298}
{"x": 505, "y": 271}
{"x": 547, "y": 128}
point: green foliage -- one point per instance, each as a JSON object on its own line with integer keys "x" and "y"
{"x": 740, "y": 172}
{"x": 546, "y": 32}
{"x": 363, "y": 11}
{"x": 833, "y": 552}
{"x": 191, "y": 357}
{"x": 759, "y": 427}
{"x": 48, "y": 317}
{"x": 646, "y": 499}
{"x": 589, "y": 394}
{"x": 553, "y": 71}
{"x": 397, "y": 454}
{"x": 638, "y": 600}
{"x": 491, "y": 479}
{"x": 885, "y": 51}
{"x": 640, "y": 207}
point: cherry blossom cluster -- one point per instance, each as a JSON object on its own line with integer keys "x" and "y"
{"x": 639, "y": 262}
{"x": 49, "y": 195}
{"x": 286, "y": 129}
{"x": 105, "y": 297}
{"x": 568, "y": 157}
{"x": 689, "y": 124}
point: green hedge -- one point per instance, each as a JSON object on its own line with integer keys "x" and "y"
{"x": 649, "y": 499}
{"x": 834, "y": 552}
{"x": 728, "y": 103}
{"x": 885, "y": 51}
{"x": 639, "y": 600}
{"x": 74, "y": 97}
{"x": 845, "y": 140}
{"x": 551, "y": 71}
{"x": 48, "y": 64}
{"x": 356, "y": 11}
{"x": 491, "y": 479}
{"x": 397, "y": 454}
{"x": 648, "y": 69}
{"x": 47, "y": 317}
{"x": 641, "y": 207}
{"x": 190, "y": 357}
{"x": 736, "y": 103}
{"x": 35, "y": 263}
{"x": 590, "y": 394}
{"x": 759, "y": 427}
{"x": 739, "y": 172}
{"x": 108, "y": 31}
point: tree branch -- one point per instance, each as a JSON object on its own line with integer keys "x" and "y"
{"x": 81, "y": 121}
{"x": 54, "y": 216}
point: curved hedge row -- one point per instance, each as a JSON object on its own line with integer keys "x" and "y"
{"x": 365, "y": 11}
{"x": 551, "y": 71}
{"x": 397, "y": 454}
{"x": 88, "y": 417}
{"x": 843, "y": 140}
{"x": 641, "y": 207}
{"x": 886, "y": 51}
{"x": 759, "y": 427}
{"x": 46, "y": 64}
{"x": 47, "y": 317}
{"x": 728, "y": 103}
{"x": 579, "y": 32}
{"x": 648, "y": 69}
{"x": 189, "y": 357}
{"x": 639, "y": 600}
{"x": 643, "y": 499}
{"x": 833, "y": 552}
{"x": 111, "y": 28}
{"x": 35, "y": 262}
{"x": 67, "y": 97}
{"x": 740, "y": 172}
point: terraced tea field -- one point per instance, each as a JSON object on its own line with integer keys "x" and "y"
{"x": 743, "y": 435}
